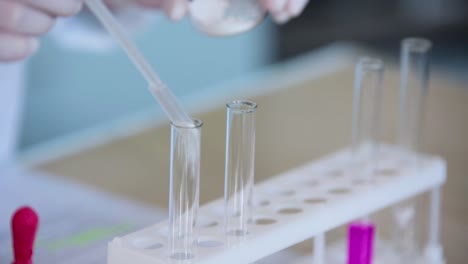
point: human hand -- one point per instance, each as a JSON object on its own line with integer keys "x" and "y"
{"x": 284, "y": 10}
{"x": 22, "y": 22}
{"x": 174, "y": 9}
{"x": 281, "y": 10}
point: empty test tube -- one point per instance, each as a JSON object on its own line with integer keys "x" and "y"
{"x": 366, "y": 114}
{"x": 239, "y": 170}
{"x": 414, "y": 74}
{"x": 184, "y": 189}
{"x": 414, "y": 77}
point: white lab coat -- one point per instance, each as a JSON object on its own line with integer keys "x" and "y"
{"x": 71, "y": 33}
{"x": 11, "y": 101}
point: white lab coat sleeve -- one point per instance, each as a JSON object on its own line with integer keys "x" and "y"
{"x": 11, "y": 104}
{"x": 80, "y": 32}
{"x": 84, "y": 31}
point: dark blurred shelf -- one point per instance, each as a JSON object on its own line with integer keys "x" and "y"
{"x": 379, "y": 23}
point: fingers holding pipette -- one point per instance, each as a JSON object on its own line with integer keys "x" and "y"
{"x": 55, "y": 8}
{"x": 22, "y": 22}
{"x": 295, "y": 7}
{"x": 156, "y": 4}
{"x": 13, "y": 47}
{"x": 20, "y": 19}
{"x": 176, "y": 9}
{"x": 114, "y": 5}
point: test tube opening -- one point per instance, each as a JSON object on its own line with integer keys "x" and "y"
{"x": 239, "y": 168}
{"x": 370, "y": 64}
{"x": 418, "y": 45}
{"x": 242, "y": 106}
{"x": 188, "y": 126}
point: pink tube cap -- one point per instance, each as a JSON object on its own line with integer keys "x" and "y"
{"x": 360, "y": 242}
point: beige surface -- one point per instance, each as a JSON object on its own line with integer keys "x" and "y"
{"x": 295, "y": 125}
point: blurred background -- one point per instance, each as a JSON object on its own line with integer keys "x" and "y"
{"x": 95, "y": 88}
{"x": 88, "y": 103}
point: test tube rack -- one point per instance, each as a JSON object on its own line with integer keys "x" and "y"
{"x": 299, "y": 204}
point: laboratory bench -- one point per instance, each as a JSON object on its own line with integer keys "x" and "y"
{"x": 304, "y": 112}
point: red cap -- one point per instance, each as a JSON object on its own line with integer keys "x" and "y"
{"x": 24, "y": 226}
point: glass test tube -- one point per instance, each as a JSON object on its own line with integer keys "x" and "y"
{"x": 239, "y": 170}
{"x": 365, "y": 134}
{"x": 414, "y": 77}
{"x": 184, "y": 189}
{"x": 366, "y": 115}
{"x": 413, "y": 88}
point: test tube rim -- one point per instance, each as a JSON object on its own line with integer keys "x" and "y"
{"x": 419, "y": 45}
{"x": 197, "y": 123}
{"x": 370, "y": 63}
{"x": 250, "y": 106}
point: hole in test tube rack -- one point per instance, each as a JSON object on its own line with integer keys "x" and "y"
{"x": 182, "y": 256}
{"x": 335, "y": 174}
{"x": 287, "y": 192}
{"x": 263, "y": 203}
{"x": 312, "y": 183}
{"x": 146, "y": 243}
{"x": 359, "y": 181}
{"x": 206, "y": 223}
{"x": 289, "y": 211}
{"x": 265, "y": 221}
{"x": 388, "y": 172}
{"x": 315, "y": 200}
{"x": 339, "y": 191}
{"x": 281, "y": 192}
{"x": 237, "y": 233}
{"x": 208, "y": 242}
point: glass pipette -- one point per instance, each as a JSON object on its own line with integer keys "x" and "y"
{"x": 158, "y": 89}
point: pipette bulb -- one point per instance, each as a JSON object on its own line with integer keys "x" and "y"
{"x": 24, "y": 226}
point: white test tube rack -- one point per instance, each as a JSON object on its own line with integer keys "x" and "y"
{"x": 302, "y": 203}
